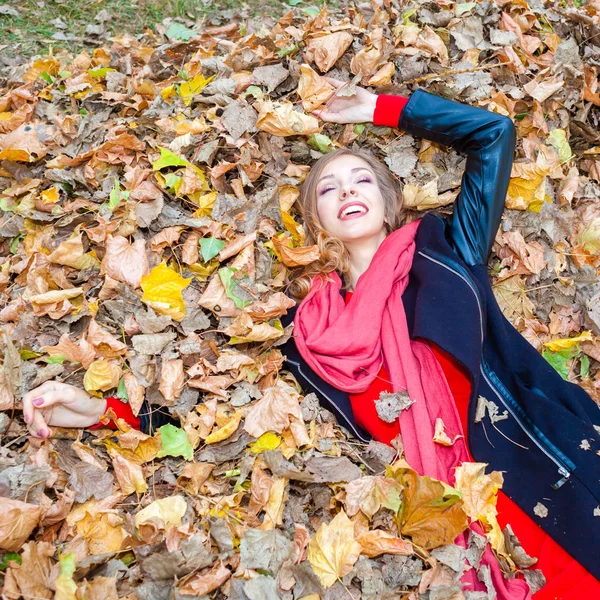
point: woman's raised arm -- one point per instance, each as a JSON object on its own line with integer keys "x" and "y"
{"x": 487, "y": 138}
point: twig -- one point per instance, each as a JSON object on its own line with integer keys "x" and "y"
{"x": 455, "y": 72}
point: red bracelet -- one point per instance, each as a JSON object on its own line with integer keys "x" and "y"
{"x": 388, "y": 110}
{"x": 122, "y": 410}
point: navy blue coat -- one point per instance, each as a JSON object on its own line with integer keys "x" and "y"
{"x": 449, "y": 301}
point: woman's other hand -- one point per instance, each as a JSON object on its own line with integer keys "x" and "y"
{"x": 60, "y": 405}
{"x": 358, "y": 108}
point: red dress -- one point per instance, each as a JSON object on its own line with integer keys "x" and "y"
{"x": 566, "y": 578}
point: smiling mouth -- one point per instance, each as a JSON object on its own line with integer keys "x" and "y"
{"x": 352, "y": 210}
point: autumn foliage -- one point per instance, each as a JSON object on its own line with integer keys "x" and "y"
{"x": 148, "y": 230}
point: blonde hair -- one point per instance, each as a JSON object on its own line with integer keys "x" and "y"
{"x": 333, "y": 253}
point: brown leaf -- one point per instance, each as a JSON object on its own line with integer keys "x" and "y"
{"x": 34, "y": 577}
{"x": 124, "y": 261}
{"x": 324, "y": 50}
{"x": 171, "y": 380}
{"x": 17, "y": 521}
{"x": 202, "y": 584}
{"x": 313, "y": 89}
{"x": 432, "y": 513}
{"x": 281, "y": 119}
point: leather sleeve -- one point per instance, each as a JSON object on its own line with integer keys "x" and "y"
{"x": 488, "y": 140}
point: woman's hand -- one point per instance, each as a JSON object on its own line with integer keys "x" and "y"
{"x": 358, "y": 108}
{"x": 60, "y": 405}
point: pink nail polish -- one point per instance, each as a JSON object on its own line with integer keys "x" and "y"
{"x": 43, "y": 433}
{"x": 27, "y": 419}
{"x": 38, "y": 401}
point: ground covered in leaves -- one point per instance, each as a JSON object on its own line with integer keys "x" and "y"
{"x": 147, "y": 232}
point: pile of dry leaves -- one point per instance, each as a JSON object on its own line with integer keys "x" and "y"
{"x": 147, "y": 229}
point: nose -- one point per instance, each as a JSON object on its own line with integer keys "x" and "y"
{"x": 347, "y": 192}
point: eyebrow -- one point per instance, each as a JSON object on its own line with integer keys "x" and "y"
{"x": 352, "y": 170}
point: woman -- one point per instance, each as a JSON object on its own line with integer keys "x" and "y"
{"x": 415, "y": 314}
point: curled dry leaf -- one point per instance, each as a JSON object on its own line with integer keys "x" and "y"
{"x": 281, "y": 119}
{"x": 276, "y": 411}
{"x": 313, "y": 89}
{"x": 171, "y": 380}
{"x": 324, "y": 50}
{"x": 102, "y": 375}
{"x": 17, "y": 521}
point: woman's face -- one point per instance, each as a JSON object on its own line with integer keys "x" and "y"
{"x": 349, "y": 203}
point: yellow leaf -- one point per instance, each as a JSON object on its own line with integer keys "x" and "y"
{"x": 103, "y": 532}
{"x": 205, "y": 203}
{"x": 192, "y": 87}
{"x": 222, "y": 433}
{"x": 162, "y": 291}
{"x": 169, "y": 510}
{"x": 566, "y": 343}
{"x": 168, "y": 93}
{"x": 480, "y": 494}
{"x": 527, "y": 187}
{"x": 50, "y": 196}
{"x": 333, "y": 551}
{"x": 102, "y": 375}
{"x": 267, "y": 441}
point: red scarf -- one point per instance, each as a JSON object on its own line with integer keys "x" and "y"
{"x": 346, "y": 344}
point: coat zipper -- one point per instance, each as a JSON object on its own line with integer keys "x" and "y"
{"x": 563, "y": 471}
{"x": 500, "y": 391}
{"x": 465, "y": 279}
{"x": 333, "y": 404}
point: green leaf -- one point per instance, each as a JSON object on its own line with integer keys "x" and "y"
{"x": 311, "y": 11}
{"x": 177, "y": 31}
{"x": 359, "y": 128}
{"x": 558, "y": 140}
{"x": 210, "y": 247}
{"x": 8, "y": 557}
{"x": 255, "y": 92}
{"x": 46, "y": 77}
{"x": 5, "y": 206}
{"x": 294, "y": 2}
{"x": 584, "y": 366}
{"x": 560, "y": 360}
{"x": 99, "y": 72}
{"x": 168, "y": 159}
{"x": 122, "y": 390}
{"x": 56, "y": 360}
{"x": 115, "y": 195}
{"x": 174, "y": 442}
{"x": 26, "y": 354}
{"x": 226, "y": 275}
{"x": 320, "y": 142}
{"x": 14, "y": 245}
{"x": 65, "y": 586}
{"x": 464, "y": 7}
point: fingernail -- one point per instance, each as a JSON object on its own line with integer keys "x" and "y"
{"x": 38, "y": 401}
{"x": 27, "y": 419}
{"x": 43, "y": 433}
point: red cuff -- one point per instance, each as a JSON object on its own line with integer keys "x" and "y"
{"x": 122, "y": 410}
{"x": 388, "y": 110}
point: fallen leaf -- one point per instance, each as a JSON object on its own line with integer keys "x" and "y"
{"x": 333, "y": 551}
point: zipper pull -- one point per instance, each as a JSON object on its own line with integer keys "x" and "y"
{"x": 565, "y": 477}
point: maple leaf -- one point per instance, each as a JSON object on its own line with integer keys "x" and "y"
{"x": 333, "y": 551}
